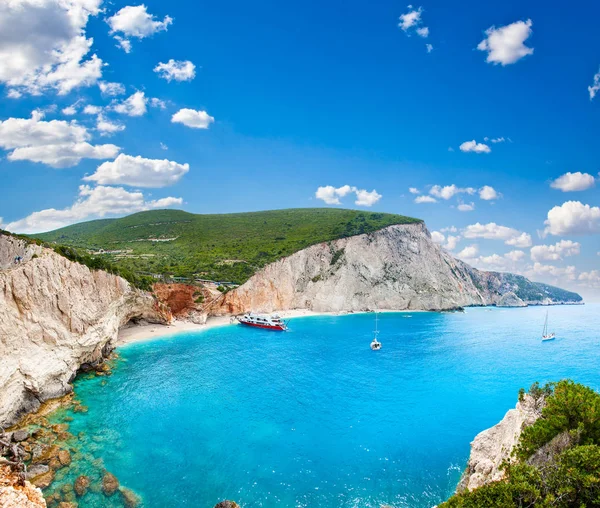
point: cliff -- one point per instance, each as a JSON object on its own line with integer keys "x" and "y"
{"x": 398, "y": 267}
{"x": 15, "y": 494}
{"x": 56, "y": 315}
{"x": 492, "y": 446}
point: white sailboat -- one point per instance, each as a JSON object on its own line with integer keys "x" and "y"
{"x": 545, "y": 335}
{"x": 375, "y": 344}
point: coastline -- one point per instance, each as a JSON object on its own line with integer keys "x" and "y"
{"x": 139, "y": 333}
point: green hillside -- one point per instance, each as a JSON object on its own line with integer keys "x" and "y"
{"x": 225, "y": 247}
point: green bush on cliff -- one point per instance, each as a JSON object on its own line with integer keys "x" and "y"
{"x": 568, "y": 475}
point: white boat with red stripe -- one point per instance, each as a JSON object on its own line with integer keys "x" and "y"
{"x": 266, "y": 322}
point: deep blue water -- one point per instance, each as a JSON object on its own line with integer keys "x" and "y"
{"x": 313, "y": 417}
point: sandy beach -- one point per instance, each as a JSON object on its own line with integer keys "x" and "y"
{"x": 137, "y": 333}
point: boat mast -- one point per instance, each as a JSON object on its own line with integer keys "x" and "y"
{"x": 546, "y": 325}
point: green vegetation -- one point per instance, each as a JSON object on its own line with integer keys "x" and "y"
{"x": 557, "y": 461}
{"x": 225, "y": 247}
{"x": 537, "y": 291}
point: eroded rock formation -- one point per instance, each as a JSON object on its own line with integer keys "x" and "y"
{"x": 397, "y": 268}
{"x": 56, "y": 315}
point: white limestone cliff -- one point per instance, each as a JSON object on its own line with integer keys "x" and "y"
{"x": 56, "y": 315}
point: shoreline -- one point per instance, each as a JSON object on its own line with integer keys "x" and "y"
{"x": 144, "y": 332}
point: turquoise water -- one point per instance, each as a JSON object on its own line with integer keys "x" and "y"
{"x": 313, "y": 417}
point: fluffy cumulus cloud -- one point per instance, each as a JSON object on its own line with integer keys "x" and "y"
{"x": 331, "y": 195}
{"x": 107, "y": 127}
{"x": 43, "y": 46}
{"x": 91, "y": 203}
{"x": 178, "y": 70}
{"x": 449, "y": 243}
{"x": 572, "y": 182}
{"x": 134, "y": 105}
{"x": 488, "y": 193}
{"x": 135, "y": 21}
{"x": 590, "y": 279}
{"x": 58, "y": 143}
{"x": 469, "y": 252}
{"x": 192, "y": 118}
{"x": 493, "y": 231}
{"x": 412, "y": 22}
{"x": 506, "y": 45}
{"x": 556, "y": 252}
{"x": 466, "y": 207}
{"x": 566, "y": 273}
{"x": 414, "y": 190}
{"x": 449, "y": 191}
{"x": 573, "y": 218}
{"x": 438, "y": 237}
{"x": 111, "y": 89}
{"x": 138, "y": 172}
{"x": 425, "y": 199}
{"x": 595, "y": 86}
{"x": 473, "y": 146}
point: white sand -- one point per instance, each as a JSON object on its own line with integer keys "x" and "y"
{"x": 137, "y": 333}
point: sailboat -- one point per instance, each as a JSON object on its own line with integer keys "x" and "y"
{"x": 545, "y": 335}
{"x": 375, "y": 344}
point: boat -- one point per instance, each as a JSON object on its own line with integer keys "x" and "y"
{"x": 545, "y": 335}
{"x": 266, "y": 322}
{"x": 375, "y": 344}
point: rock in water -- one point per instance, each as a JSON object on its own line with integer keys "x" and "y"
{"x": 81, "y": 485}
{"x": 130, "y": 498}
{"x": 492, "y": 446}
{"x": 110, "y": 484}
{"x": 20, "y": 436}
{"x": 227, "y": 504}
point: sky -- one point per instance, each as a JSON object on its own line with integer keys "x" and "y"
{"x": 479, "y": 117}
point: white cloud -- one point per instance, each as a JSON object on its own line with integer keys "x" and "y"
{"x": 449, "y": 191}
{"x": 466, "y": 207}
{"x": 69, "y": 110}
{"x": 515, "y": 255}
{"x": 505, "y": 45}
{"x": 106, "y": 127}
{"x": 556, "y": 252}
{"x": 157, "y": 103}
{"x": 555, "y": 271}
{"x": 450, "y": 229}
{"x": 43, "y": 46}
{"x": 163, "y": 146}
{"x": 593, "y": 90}
{"x": 493, "y": 231}
{"x": 473, "y": 146}
{"x": 573, "y": 218}
{"x": 425, "y": 199}
{"x": 469, "y": 252}
{"x": 138, "y": 172}
{"x": 178, "y": 70}
{"x": 366, "y": 198}
{"x": 92, "y": 203}
{"x": 414, "y": 190}
{"x": 13, "y": 94}
{"x": 92, "y": 110}
{"x": 437, "y": 237}
{"x": 331, "y": 195}
{"x": 590, "y": 279}
{"x": 451, "y": 242}
{"x": 412, "y": 20}
{"x": 135, "y": 21}
{"x": 58, "y": 143}
{"x": 488, "y": 193}
{"x": 571, "y": 182}
{"x": 134, "y": 105}
{"x": 496, "y": 140}
{"x": 111, "y": 89}
{"x": 192, "y": 118}
{"x": 429, "y": 48}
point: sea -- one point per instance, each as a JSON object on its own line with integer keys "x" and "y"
{"x": 312, "y": 417}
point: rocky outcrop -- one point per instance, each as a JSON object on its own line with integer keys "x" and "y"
{"x": 17, "y": 494}
{"x": 185, "y": 301}
{"x": 510, "y": 300}
{"x": 56, "y": 315}
{"x": 492, "y": 446}
{"x": 396, "y": 268}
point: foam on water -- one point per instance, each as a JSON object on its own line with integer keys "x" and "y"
{"x": 313, "y": 417}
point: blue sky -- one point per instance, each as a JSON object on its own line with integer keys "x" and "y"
{"x": 287, "y": 97}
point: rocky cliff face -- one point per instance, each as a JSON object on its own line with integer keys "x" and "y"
{"x": 492, "y": 446}
{"x": 397, "y": 268}
{"x": 56, "y": 315}
{"x": 13, "y": 494}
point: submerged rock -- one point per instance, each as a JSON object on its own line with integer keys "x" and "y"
{"x": 110, "y": 484}
{"x": 81, "y": 485}
{"x": 43, "y": 480}
{"x": 64, "y": 457}
{"x": 130, "y": 498}
{"x": 227, "y": 504}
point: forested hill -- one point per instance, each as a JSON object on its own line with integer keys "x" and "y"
{"x": 224, "y": 247}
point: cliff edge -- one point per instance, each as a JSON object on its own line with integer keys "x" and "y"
{"x": 56, "y": 315}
